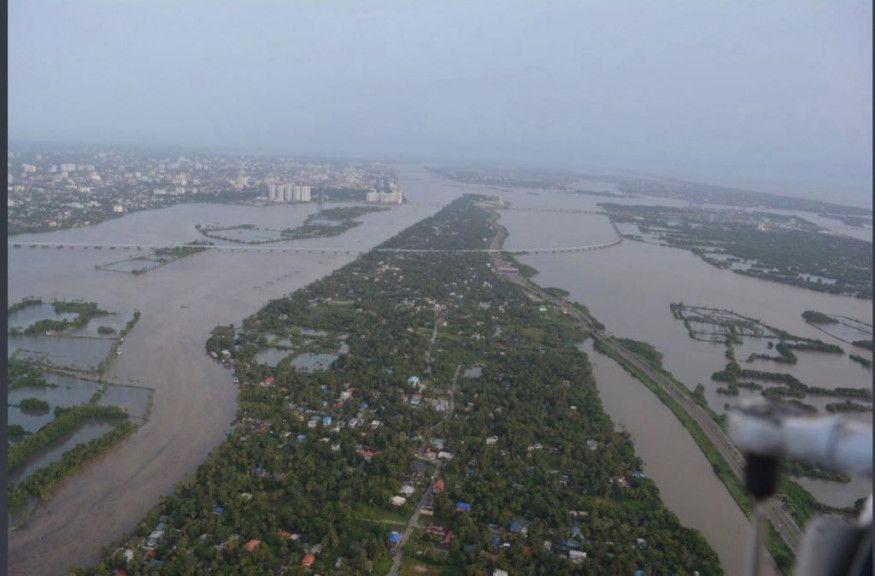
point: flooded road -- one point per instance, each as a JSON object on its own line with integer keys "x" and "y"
{"x": 194, "y": 399}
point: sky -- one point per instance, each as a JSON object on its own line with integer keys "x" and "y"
{"x": 773, "y": 96}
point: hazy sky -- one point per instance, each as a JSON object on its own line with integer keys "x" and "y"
{"x": 771, "y": 95}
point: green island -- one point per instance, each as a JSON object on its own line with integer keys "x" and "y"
{"x": 323, "y": 224}
{"x": 848, "y": 406}
{"x": 784, "y": 249}
{"x": 330, "y": 222}
{"x": 156, "y": 258}
{"x": 815, "y": 317}
{"x": 34, "y": 405}
{"x": 518, "y": 468}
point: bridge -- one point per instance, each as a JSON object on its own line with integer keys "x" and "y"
{"x": 274, "y": 249}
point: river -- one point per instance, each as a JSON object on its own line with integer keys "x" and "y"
{"x": 194, "y": 398}
{"x": 629, "y": 287}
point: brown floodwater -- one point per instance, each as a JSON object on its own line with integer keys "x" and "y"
{"x": 629, "y": 287}
{"x": 194, "y": 398}
{"x": 687, "y": 484}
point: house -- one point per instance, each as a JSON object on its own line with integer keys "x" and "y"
{"x": 463, "y": 507}
{"x": 308, "y": 560}
{"x": 576, "y": 556}
{"x": 439, "y": 485}
{"x": 592, "y": 444}
{"x": 326, "y": 420}
{"x": 287, "y": 535}
{"x": 491, "y": 441}
{"x": 398, "y": 500}
{"x": 445, "y": 455}
{"x": 517, "y": 527}
{"x": 394, "y": 537}
{"x": 407, "y": 489}
{"x": 499, "y": 572}
{"x": 252, "y": 545}
{"x": 413, "y": 380}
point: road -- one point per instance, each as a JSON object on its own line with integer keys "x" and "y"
{"x": 275, "y": 248}
{"x": 428, "y": 495}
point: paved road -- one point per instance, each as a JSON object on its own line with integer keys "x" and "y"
{"x": 428, "y": 495}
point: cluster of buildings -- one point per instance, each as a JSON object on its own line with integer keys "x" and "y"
{"x": 53, "y": 189}
{"x": 288, "y": 192}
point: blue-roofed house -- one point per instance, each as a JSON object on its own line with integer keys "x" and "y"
{"x": 395, "y": 537}
{"x": 326, "y": 420}
{"x": 463, "y": 507}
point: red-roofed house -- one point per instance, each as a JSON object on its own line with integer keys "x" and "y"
{"x": 308, "y": 560}
{"x": 252, "y": 545}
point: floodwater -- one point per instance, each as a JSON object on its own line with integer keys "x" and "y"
{"x": 672, "y": 459}
{"x": 34, "y": 313}
{"x": 68, "y": 391}
{"x": 85, "y": 432}
{"x": 77, "y": 353}
{"x": 195, "y": 399}
{"x": 271, "y": 356}
{"x": 132, "y": 399}
{"x": 313, "y": 362}
{"x": 629, "y": 287}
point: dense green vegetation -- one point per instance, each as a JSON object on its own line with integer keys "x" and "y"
{"x": 794, "y": 252}
{"x": 848, "y": 406}
{"x": 33, "y": 405}
{"x": 24, "y": 374}
{"x": 329, "y": 222}
{"x": 643, "y": 349}
{"x": 786, "y": 355}
{"x": 66, "y": 420}
{"x": 558, "y": 292}
{"x": 176, "y": 252}
{"x": 314, "y": 458}
{"x": 790, "y": 386}
{"x": 40, "y": 483}
{"x": 815, "y": 317}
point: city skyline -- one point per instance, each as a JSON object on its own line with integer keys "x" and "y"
{"x": 782, "y": 106}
